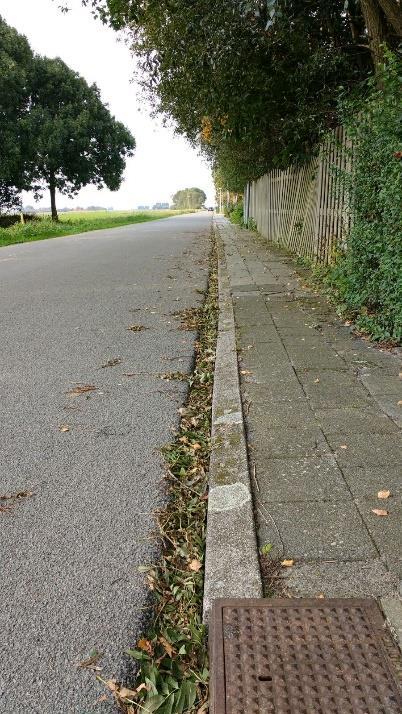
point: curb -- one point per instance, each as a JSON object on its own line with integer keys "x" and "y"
{"x": 232, "y": 567}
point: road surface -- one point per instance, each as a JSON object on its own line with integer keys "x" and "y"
{"x": 69, "y": 554}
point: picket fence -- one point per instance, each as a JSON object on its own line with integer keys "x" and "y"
{"x": 304, "y": 208}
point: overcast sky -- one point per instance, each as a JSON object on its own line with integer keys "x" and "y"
{"x": 163, "y": 162}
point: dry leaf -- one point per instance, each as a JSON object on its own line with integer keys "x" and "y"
{"x": 383, "y": 494}
{"x": 103, "y": 698}
{"x": 111, "y": 684}
{"x": 321, "y": 595}
{"x": 245, "y": 371}
{"x": 316, "y": 381}
{"x": 141, "y": 687}
{"x": 380, "y": 512}
{"x": 343, "y": 446}
{"x": 112, "y": 362}
{"x": 136, "y": 328}
{"x": 287, "y": 563}
{"x": 82, "y": 389}
{"x": 64, "y": 427}
{"x": 125, "y": 693}
{"x": 91, "y": 663}
{"x": 195, "y": 565}
{"x": 167, "y": 646}
{"x": 196, "y": 446}
{"x": 145, "y": 646}
{"x": 400, "y": 403}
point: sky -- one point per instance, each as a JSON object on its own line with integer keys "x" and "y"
{"x": 163, "y": 162}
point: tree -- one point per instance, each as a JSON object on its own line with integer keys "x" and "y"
{"x": 78, "y": 141}
{"x": 16, "y": 151}
{"x": 254, "y": 82}
{"x": 189, "y": 198}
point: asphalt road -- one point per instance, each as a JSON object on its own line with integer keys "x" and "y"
{"x": 69, "y": 554}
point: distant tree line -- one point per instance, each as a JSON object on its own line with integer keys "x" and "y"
{"x": 55, "y": 131}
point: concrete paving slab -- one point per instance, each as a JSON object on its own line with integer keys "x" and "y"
{"x": 279, "y": 415}
{"x": 341, "y": 579}
{"x": 368, "y": 481}
{"x": 354, "y": 420}
{"x": 333, "y": 388}
{"x": 282, "y": 480}
{"x": 291, "y": 443}
{"x": 358, "y": 450}
{"x": 386, "y": 531}
{"x": 317, "y": 530}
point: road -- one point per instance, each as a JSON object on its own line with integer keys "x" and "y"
{"x": 69, "y": 554}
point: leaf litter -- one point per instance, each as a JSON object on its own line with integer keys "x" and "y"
{"x": 172, "y": 656}
{"x": 12, "y": 499}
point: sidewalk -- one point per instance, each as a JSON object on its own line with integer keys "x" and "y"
{"x": 323, "y": 429}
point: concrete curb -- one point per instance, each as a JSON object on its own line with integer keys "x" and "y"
{"x": 231, "y": 561}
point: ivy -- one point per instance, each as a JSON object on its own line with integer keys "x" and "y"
{"x": 366, "y": 278}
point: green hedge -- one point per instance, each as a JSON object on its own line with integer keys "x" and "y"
{"x": 366, "y": 278}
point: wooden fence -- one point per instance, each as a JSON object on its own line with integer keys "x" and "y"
{"x": 304, "y": 209}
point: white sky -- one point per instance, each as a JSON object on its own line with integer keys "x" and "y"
{"x": 163, "y": 163}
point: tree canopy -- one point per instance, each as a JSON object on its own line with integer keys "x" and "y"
{"x": 189, "y": 198}
{"x": 254, "y": 82}
{"x": 55, "y": 131}
{"x": 78, "y": 140}
{"x": 16, "y": 67}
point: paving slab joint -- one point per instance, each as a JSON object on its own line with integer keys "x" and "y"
{"x": 232, "y": 567}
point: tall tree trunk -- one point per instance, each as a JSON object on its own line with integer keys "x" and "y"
{"x": 52, "y": 189}
{"x": 375, "y": 25}
{"x": 393, "y": 12}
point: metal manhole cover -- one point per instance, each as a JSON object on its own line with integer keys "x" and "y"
{"x": 300, "y": 657}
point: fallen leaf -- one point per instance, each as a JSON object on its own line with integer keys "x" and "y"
{"x": 167, "y": 646}
{"x": 112, "y": 362}
{"x": 103, "y": 698}
{"x": 64, "y": 427}
{"x": 316, "y": 381}
{"x": 111, "y": 684}
{"x": 195, "y": 565}
{"x": 91, "y": 662}
{"x": 196, "y": 446}
{"x": 16, "y": 496}
{"x": 145, "y": 646}
{"x": 82, "y": 389}
{"x": 400, "y": 403}
{"x": 245, "y": 371}
{"x": 125, "y": 693}
{"x": 343, "y": 446}
{"x": 141, "y": 687}
{"x": 136, "y": 328}
{"x": 380, "y": 512}
{"x": 383, "y": 494}
{"x": 287, "y": 563}
{"x": 321, "y": 595}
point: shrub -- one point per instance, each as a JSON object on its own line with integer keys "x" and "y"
{"x": 235, "y": 213}
{"x": 367, "y": 275}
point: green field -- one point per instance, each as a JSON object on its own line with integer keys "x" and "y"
{"x": 77, "y": 222}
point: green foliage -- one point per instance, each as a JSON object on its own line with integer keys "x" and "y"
{"x": 253, "y": 82}
{"x": 71, "y": 223}
{"x": 54, "y": 129}
{"x": 367, "y": 277}
{"x": 77, "y": 139}
{"x": 189, "y": 198}
{"x": 16, "y": 67}
{"x": 235, "y": 212}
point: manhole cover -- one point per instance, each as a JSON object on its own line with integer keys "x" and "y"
{"x": 300, "y": 657}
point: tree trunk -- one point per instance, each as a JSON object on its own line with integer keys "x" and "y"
{"x": 375, "y": 28}
{"x": 52, "y": 189}
{"x": 393, "y": 12}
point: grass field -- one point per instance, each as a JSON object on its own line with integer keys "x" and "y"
{"x": 77, "y": 222}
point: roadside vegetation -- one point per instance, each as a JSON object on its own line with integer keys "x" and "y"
{"x": 172, "y": 654}
{"x": 77, "y": 222}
